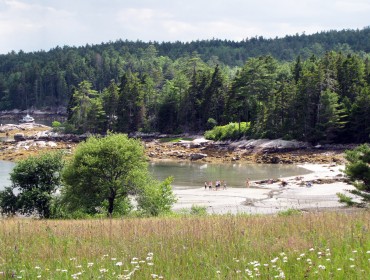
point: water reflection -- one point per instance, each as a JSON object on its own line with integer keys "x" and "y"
{"x": 190, "y": 174}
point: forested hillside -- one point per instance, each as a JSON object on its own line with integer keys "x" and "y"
{"x": 308, "y": 87}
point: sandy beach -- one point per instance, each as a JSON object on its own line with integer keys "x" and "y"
{"x": 270, "y": 198}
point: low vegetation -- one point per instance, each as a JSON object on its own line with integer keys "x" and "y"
{"x": 358, "y": 171}
{"x": 310, "y": 246}
{"x": 231, "y": 131}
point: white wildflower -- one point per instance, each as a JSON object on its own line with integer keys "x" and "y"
{"x": 322, "y": 267}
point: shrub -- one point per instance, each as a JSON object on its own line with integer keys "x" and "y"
{"x": 197, "y": 210}
{"x": 231, "y": 131}
{"x": 289, "y": 212}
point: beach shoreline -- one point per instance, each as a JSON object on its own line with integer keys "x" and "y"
{"x": 315, "y": 191}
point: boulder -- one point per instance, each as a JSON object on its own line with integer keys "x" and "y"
{"x": 19, "y": 137}
{"x": 197, "y": 156}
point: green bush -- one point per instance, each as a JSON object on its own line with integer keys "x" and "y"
{"x": 56, "y": 124}
{"x": 231, "y": 131}
{"x": 197, "y": 210}
{"x": 289, "y": 212}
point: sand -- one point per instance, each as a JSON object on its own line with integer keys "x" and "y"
{"x": 271, "y": 198}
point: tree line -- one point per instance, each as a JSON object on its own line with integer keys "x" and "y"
{"x": 322, "y": 100}
{"x": 319, "y": 92}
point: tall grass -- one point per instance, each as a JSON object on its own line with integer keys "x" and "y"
{"x": 311, "y": 246}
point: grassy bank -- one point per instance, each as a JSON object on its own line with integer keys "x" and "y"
{"x": 312, "y": 246}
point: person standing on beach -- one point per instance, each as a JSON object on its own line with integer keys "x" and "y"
{"x": 224, "y": 184}
{"x": 205, "y": 185}
{"x": 247, "y": 183}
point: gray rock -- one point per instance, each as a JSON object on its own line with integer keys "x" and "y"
{"x": 197, "y": 156}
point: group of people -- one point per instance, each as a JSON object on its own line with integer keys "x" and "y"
{"x": 218, "y": 185}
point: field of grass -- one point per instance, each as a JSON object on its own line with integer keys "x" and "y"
{"x": 309, "y": 246}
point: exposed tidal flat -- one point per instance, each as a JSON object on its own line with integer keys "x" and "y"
{"x": 330, "y": 245}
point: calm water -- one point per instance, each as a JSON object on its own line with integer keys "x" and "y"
{"x": 38, "y": 119}
{"x": 190, "y": 175}
{"x": 193, "y": 175}
{"x": 5, "y": 168}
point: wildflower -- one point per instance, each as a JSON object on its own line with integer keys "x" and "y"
{"x": 285, "y": 259}
{"x": 339, "y": 269}
{"x": 150, "y": 264}
{"x": 150, "y": 254}
{"x": 118, "y": 263}
{"x": 218, "y": 272}
{"x": 351, "y": 259}
{"x": 282, "y": 254}
{"x": 281, "y": 275}
{"x": 90, "y": 264}
{"x": 141, "y": 261}
{"x": 352, "y": 266}
{"x": 154, "y": 276}
{"x": 298, "y": 259}
{"x": 322, "y": 267}
{"x": 265, "y": 264}
{"x": 37, "y": 267}
{"x": 238, "y": 271}
{"x": 354, "y": 251}
{"x": 113, "y": 259}
{"x": 319, "y": 253}
{"x": 311, "y": 249}
{"x": 38, "y": 276}
{"x": 368, "y": 252}
{"x": 78, "y": 266}
{"x": 103, "y": 270}
{"x": 134, "y": 259}
{"x": 302, "y": 255}
{"x": 274, "y": 260}
{"x": 134, "y": 262}
{"x": 73, "y": 259}
{"x": 64, "y": 270}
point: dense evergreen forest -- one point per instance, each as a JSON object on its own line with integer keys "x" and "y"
{"x": 308, "y": 87}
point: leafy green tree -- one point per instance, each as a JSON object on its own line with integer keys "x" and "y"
{"x": 156, "y": 198}
{"x": 358, "y": 171}
{"x": 34, "y": 182}
{"x": 103, "y": 173}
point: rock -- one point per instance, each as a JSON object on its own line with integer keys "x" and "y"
{"x": 197, "y": 156}
{"x": 19, "y": 137}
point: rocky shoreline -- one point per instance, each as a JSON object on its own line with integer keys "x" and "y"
{"x": 19, "y": 141}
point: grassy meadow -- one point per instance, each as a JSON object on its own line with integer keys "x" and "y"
{"x": 310, "y": 246}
